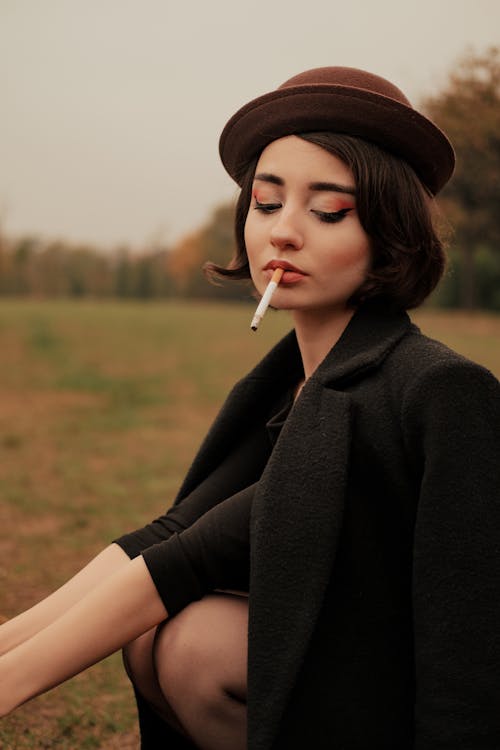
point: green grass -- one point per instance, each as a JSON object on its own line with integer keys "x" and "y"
{"x": 102, "y": 406}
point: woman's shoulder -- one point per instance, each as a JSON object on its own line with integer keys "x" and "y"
{"x": 421, "y": 355}
{"x": 429, "y": 371}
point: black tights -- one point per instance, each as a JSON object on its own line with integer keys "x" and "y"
{"x": 191, "y": 672}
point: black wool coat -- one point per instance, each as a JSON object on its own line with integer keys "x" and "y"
{"x": 374, "y": 607}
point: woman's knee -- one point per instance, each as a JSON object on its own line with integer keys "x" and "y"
{"x": 202, "y": 652}
{"x": 192, "y": 670}
{"x": 200, "y": 660}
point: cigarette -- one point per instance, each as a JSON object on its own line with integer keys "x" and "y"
{"x": 266, "y": 298}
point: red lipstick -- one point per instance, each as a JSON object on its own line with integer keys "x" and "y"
{"x": 291, "y": 274}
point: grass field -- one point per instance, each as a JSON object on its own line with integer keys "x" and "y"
{"x": 102, "y": 406}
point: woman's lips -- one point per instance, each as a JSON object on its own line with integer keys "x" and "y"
{"x": 291, "y": 277}
{"x": 291, "y": 274}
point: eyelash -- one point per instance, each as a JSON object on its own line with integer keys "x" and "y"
{"x": 328, "y": 217}
{"x": 332, "y": 217}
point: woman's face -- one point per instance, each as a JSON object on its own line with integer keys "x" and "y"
{"x": 303, "y": 218}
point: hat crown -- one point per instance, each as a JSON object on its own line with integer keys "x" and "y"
{"x": 342, "y": 100}
{"x": 349, "y": 77}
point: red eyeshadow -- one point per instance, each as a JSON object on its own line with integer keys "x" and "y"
{"x": 336, "y": 205}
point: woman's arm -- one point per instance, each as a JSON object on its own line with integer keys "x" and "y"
{"x": 114, "y": 612}
{"x": 455, "y": 422}
{"x": 101, "y": 610}
{"x": 24, "y": 626}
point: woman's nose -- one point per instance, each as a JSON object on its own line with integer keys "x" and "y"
{"x": 285, "y": 232}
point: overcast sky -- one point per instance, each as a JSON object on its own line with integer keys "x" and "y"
{"x": 112, "y": 109}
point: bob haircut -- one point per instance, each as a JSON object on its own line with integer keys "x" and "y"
{"x": 394, "y": 209}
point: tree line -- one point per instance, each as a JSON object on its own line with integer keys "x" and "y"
{"x": 467, "y": 108}
{"x": 34, "y": 266}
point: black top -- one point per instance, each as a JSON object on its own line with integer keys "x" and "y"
{"x": 190, "y": 550}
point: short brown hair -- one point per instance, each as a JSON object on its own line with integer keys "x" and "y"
{"x": 394, "y": 209}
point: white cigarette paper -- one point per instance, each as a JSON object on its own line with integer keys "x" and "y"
{"x": 266, "y": 298}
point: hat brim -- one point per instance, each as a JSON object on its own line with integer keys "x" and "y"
{"x": 393, "y": 126}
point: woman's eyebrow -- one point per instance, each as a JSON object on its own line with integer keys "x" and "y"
{"x": 332, "y": 187}
{"x": 267, "y": 177}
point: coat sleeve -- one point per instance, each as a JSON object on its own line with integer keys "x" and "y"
{"x": 241, "y": 467}
{"x": 454, "y": 410}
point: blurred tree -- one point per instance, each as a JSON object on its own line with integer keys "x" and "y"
{"x": 50, "y": 277}
{"x": 468, "y": 110}
{"x": 144, "y": 278}
{"x": 215, "y": 242}
{"x": 162, "y": 282}
{"x": 87, "y": 272}
{"x": 123, "y": 273}
{"x": 4, "y": 263}
{"x": 22, "y": 258}
{"x": 185, "y": 261}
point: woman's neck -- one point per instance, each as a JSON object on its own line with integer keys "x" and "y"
{"x": 317, "y": 333}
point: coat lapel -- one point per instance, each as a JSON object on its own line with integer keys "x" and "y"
{"x": 296, "y": 518}
{"x": 297, "y": 515}
{"x": 250, "y": 399}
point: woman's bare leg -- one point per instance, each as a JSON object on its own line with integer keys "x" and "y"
{"x": 194, "y": 671}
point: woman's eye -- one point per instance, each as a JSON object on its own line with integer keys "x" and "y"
{"x": 331, "y": 217}
{"x": 266, "y": 208}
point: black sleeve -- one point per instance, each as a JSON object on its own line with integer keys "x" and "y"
{"x": 213, "y": 553}
{"x": 241, "y": 468}
{"x": 454, "y": 413}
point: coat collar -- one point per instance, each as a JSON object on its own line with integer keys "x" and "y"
{"x": 370, "y": 335}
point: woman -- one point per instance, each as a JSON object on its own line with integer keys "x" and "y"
{"x": 349, "y": 484}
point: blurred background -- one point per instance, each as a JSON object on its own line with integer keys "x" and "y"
{"x": 115, "y": 352}
{"x": 110, "y": 181}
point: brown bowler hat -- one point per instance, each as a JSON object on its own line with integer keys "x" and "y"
{"x": 341, "y": 100}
